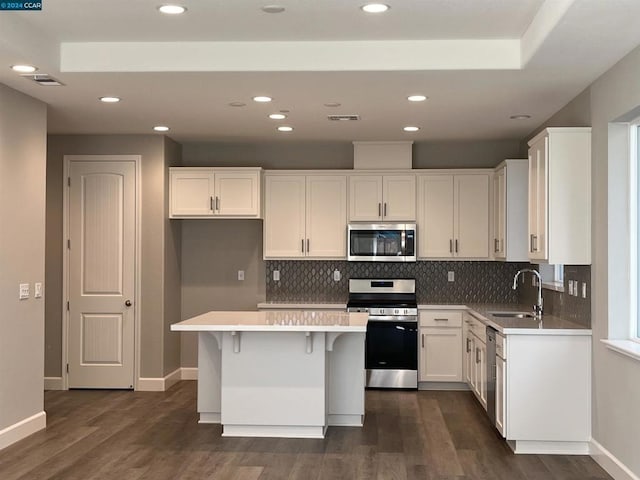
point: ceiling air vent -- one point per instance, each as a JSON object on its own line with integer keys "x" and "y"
{"x": 43, "y": 79}
{"x": 343, "y": 118}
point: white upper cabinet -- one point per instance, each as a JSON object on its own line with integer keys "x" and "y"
{"x": 560, "y": 196}
{"x": 305, "y": 216}
{"x": 453, "y": 215}
{"x": 214, "y": 192}
{"x": 382, "y": 197}
{"x": 510, "y": 183}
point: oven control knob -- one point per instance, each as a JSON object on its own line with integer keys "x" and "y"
{"x": 395, "y": 312}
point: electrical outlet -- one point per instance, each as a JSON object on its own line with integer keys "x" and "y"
{"x": 336, "y": 275}
{"x": 240, "y": 275}
{"x": 24, "y": 291}
{"x": 451, "y": 276}
{"x": 584, "y": 289}
{"x": 276, "y": 275}
{"x": 37, "y": 290}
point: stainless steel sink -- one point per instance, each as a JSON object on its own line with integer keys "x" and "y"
{"x": 512, "y": 314}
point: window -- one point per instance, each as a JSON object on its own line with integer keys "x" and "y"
{"x": 552, "y": 277}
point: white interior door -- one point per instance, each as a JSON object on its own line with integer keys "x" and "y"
{"x": 101, "y": 272}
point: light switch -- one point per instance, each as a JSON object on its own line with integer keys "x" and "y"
{"x": 240, "y": 275}
{"x": 451, "y": 276}
{"x": 276, "y": 275}
{"x": 24, "y": 291}
{"x": 37, "y": 293}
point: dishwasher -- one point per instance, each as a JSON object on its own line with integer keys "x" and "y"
{"x": 491, "y": 374}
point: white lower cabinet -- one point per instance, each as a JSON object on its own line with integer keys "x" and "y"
{"x": 475, "y": 358}
{"x": 440, "y": 353}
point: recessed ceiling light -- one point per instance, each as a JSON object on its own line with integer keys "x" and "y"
{"x": 262, "y": 99}
{"x": 110, "y": 99}
{"x": 411, "y": 129}
{"x": 332, "y": 104}
{"x": 277, "y": 116}
{"x": 161, "y": 128}
{"x": 237, "y": 104}
{"x": 375, "y": 7}
{"x": 23, "y": 68}
{"x": 416, "y": 98}
{"x": 273, "y": 9}
{"x": 285, "y": 128}
{"x": 520, "y": 117}
{"x": 172, "y": 9}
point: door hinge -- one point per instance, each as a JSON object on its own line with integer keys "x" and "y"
{"x": 69, "y": 244}
{"x": 67, "y": 368}
{"x": 67, "y": 306}
{"x": 68, "y": 181}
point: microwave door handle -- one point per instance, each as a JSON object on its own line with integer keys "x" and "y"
{"x": 403, "y": 242}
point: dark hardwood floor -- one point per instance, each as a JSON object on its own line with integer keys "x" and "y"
{"x": 127, "y": 435}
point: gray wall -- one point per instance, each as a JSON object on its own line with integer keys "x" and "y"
{"x": 154, "y": 172}
{"x": 172, "y": 265}
{"x": 23, "y": 127}
{"x": 616, "y": 385}
{"x": 212, "y": 253}
{"x": 339, "y": 155}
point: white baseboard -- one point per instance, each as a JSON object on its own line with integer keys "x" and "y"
{"x": 53, "y": 383}
{"x": 22, "y": 429}
{"x": 613, "y": 466}
{"x": 151, "y": 384}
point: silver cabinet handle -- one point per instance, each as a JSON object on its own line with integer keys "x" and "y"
{"x": 450, "y": 246}
{"x": 385, "y": 209}
{"x": 218, "y": 203}
{"x": 535, "y": 243}
{"x": 495, "y": 245}
{"x": 456, "y": 245}
{"x": 477, "y": 355}
{"x": 302, "y": 245}
{"x": 379, "y": 209}
{"x": 422, "y": 340}
{"x": 468, "y": 345}
{"x": 308, "y": 246}
{"x": 211, "y": 204}
{"x": 440, "y": 319}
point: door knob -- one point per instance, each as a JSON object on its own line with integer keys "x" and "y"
{"x": 127, "y": 303}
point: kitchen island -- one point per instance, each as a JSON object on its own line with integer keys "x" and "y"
{"x": 280, "y": 373}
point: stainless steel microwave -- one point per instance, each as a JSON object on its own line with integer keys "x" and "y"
{"x": 381, "y": 242}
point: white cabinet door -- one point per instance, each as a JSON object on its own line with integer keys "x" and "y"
{"x": 499, "y": 213}
{"x": 501, "y": 366}
{"x": 284, "y": 223}
{"x": 326, "y": 216}
{"x": 538, "y": 199}
{"x": 399, "y": 198}
{"x": 192, "y": 193}
{"x": 472, "y": 208}
{"x": 237, "y": 194}
{"x": 467, "y": 353}
{"x": 440, "y": 355}
{"x": 436, "y": 211}
{"x": 365, "y": 198}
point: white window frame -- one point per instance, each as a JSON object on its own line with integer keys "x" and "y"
{"x": 552, "y": 277}
{"x": 634, "y": 224}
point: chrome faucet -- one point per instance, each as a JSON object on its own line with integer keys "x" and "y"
{"x": 537, "y": 308}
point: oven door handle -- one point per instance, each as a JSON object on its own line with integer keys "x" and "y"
{"x": 393, "y": 318}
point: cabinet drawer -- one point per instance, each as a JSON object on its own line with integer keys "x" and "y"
{"x": 440, "y": 319}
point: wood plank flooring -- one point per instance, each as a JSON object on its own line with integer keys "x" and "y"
{"x": 103, "y": 435}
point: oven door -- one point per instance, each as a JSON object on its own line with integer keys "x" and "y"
{"x": 391, "y": 353}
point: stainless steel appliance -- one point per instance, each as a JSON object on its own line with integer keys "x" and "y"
{"x": 391, "y": 350}
{"x": 491, "y": 374}
{"x": 381, "y": 242}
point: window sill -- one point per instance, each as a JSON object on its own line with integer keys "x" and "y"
{"x": 628, "y": 348}
{"x": 555, "y": 286}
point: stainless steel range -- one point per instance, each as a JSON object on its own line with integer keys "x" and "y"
{"x": 391, "y": 354}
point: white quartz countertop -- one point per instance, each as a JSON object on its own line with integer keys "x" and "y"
{"x": 304, "y": 306}
{"x": 275, "y": 321}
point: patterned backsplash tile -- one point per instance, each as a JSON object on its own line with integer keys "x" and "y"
{"x": 312, "y": 281}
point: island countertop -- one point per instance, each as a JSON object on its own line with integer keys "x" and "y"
{"x": 275, "y": 321}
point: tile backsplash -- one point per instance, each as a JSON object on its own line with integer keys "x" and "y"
{"x": 313, "y": 281}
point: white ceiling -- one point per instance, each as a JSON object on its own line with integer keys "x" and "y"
{"x": 478, "y": 61}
